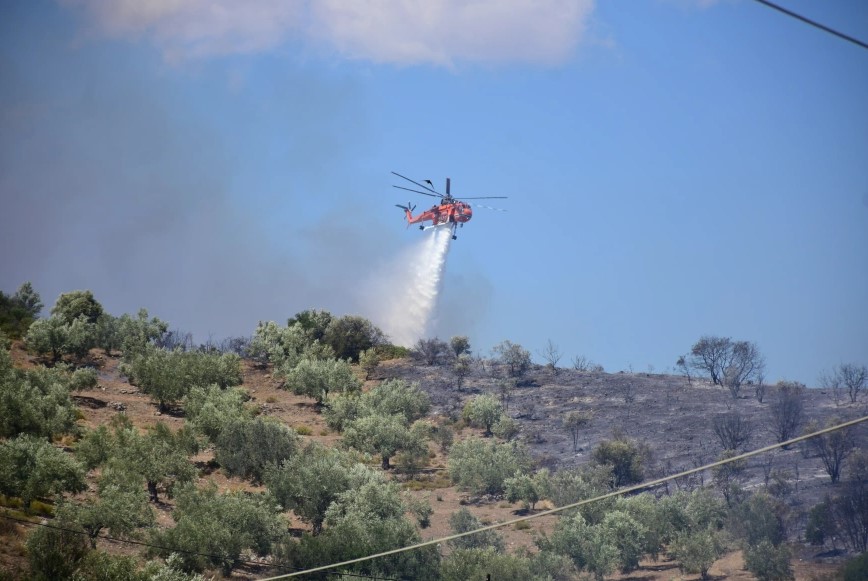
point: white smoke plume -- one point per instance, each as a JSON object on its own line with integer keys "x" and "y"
{"x": 401, "y": 296}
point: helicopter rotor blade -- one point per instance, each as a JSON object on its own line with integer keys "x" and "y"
{"x": 489, "y": 208}
{"x": 423, "y": 186}
{"x": 484, "y": 198}
{"x": 418, "y": 192}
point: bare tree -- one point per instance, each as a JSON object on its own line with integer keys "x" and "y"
{"x": 505, "y": 387}
{"x": 430, "y": 350}
{"x": 853, "y": 378}
{"x": 759, "y": 388}
{"x": 728, "y": 477}
{"x": 831, "y": 382}
{"x": 581, "y": 363}
{"x": 683, "y": 366}
{"x": 733, "y": 430}
{"x": 744, "y": 364}
{"x": 574, "y": 422}
{"x": 552, "y": 354}
{"x": 461, "y": 369}
{"x": 627, "y": 389}
{"x": 709, "y": 355}
{"x": 727, "y": 363}
{"x": 786, "y": 411}
{"x": 832, "y": 447}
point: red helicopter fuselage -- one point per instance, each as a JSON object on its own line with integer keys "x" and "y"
{"x": 449, "y": 212}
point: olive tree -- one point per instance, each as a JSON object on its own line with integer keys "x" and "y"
{"x": 55, "y": 551}
{"x": 391, "y": 397}
{"x": 460, "y": 345}
{"x": 369, "y": 360}
{"x": 121, "y": 506}
{"x": 463, "y": 521}
{"x": 74, "y": 304}
{"x": 216, "y": 529}
{"x": 574, "y": 422}
{"x": 319, "y": 378}
{"x": 47, "y": 337}
{"x": 210, "y": 409}
{"x": 482, "y": 466}
{"x": 34, "y": 401}
{"x": 168, "y": 376}
{"x": 31, "y": 468}
{"x": 160, "y": 456}
{"x": 367, "y": 519}
{"x": 310, "y": 481}
{"x": 383, "y": 436}
{"x": 588, "y": 546}
{"x": 246, "y": 447}
{"x": 527, "y": 488}
{"x": 483, "y": 411}
{"x": 139, "y": 332}
{"x": 349, "y": 335}
{"x": 515, "y": 357}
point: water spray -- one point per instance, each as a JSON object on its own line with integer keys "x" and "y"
{"x": 403, "y": 295}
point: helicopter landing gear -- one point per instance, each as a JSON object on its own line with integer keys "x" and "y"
{"x": 421, "y": 227}
{"x": 454, "y": 237}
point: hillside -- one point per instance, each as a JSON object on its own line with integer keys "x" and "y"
{"x": 671, "y": 417}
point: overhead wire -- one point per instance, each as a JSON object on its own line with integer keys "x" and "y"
{"x": 619, "y": 492}
{"x": 813, "y": 23}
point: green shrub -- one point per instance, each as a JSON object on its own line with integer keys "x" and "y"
{"x": 626, "y": 458}
{"x": 482, "y": 466}
{"x": 856, "y": 569}
{"x": 84, "y": 378}
{"x": 55, "y": 551}
{"x": 768, "y": 562}
{"x": 464, "y": 521}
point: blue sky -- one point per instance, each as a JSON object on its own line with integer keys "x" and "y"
{"x": 674, "y": 168}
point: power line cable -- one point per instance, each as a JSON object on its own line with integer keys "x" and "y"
{"x": 176, "y": 550}
{"x": 813, "y": 23}
{"x": 619, "y": 492}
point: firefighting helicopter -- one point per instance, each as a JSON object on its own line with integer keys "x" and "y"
{"x": 450, "y": 210}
